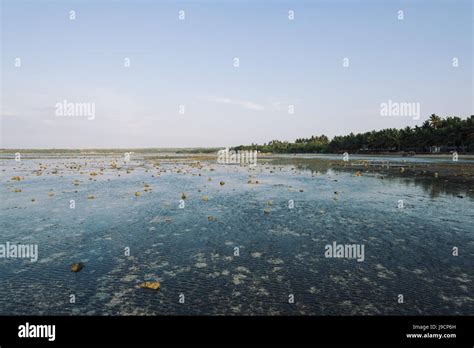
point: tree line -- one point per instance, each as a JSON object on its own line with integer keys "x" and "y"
{"x": 436, "y": 134}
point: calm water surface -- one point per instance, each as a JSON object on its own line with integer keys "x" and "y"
{"x": 407, "y": 251}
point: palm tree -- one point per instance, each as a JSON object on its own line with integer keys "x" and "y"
{"x": 435, "y": 121}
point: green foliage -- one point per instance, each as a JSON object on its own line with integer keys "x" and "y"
{"x": 449, "y": 134}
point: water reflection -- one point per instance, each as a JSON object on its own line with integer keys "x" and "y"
{"x": 433, "y": 187}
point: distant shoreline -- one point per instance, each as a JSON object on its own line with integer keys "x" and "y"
{"x": 211, "y": 150}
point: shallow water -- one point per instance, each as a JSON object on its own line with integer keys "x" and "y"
{"x": 407, "y": 251}
{"x": 387, "y": 159}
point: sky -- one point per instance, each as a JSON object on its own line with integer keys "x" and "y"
{"x": 182, "y": 88}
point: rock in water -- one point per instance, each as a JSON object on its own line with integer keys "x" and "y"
{"x": 150, "y": 285}
{"x": 76, "y": 267}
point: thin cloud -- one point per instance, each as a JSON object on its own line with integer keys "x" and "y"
{"x": 249, "y": 105}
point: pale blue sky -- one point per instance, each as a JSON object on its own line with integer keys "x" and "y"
{"x": 190, "y": 62}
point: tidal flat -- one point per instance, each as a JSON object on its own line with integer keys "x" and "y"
{"x": 236, "y": 240}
